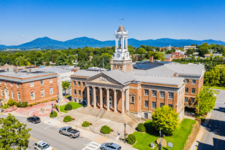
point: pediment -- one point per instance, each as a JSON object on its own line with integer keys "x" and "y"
{"x": 103, "y": 79}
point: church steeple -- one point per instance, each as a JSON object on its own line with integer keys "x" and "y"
{"x": 121, "y": 59}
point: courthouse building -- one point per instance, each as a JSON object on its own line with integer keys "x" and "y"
{"x": 139, "y": 88}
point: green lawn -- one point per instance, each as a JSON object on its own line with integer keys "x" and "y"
{"x": 217, "y": 87}
{"x": 74, "y": 106}
{"x": 178, "y": 139}
{"x": 215, "y": 91}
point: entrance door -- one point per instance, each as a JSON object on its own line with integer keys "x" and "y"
{"x": 6, "y": 94}
{"x": 110, "y": 102}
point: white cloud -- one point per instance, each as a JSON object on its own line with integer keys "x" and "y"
{"x": 22, "y": 36}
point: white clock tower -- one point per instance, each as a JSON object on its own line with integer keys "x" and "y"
{"x": 121, "y": 59}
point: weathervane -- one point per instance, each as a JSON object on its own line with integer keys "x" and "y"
{"x": 121, "y": 21}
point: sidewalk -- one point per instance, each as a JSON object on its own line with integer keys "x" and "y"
{"x": 87, "y": 134}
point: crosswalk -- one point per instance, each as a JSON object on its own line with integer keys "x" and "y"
{"x": 92, "y": 146}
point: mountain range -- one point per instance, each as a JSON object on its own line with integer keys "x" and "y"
{"x": 48, "y": 43}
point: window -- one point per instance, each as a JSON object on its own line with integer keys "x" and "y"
{"x": 146, "y": 92}
{"x": 84, "y": 94}
{"x": 154, "y": 93}
{"x": 171, "y": 105}
{"x": 161, "y": 104}
{"x": 1, "y": 92}
{"x": 96, "y": 89}
{"x": 193, "y": 81}
{"x": 0, "y": 82}
{"x": 192, "y": 100}
{"x": 5, "y": 82}
{"x": 74, "y": 82}
{"x": 75, "y": 92}
{"x": 42, "y": 82}
{"x": 78, "y": 83}
{"x": 193, "y": 90}
{"x": 146, "y": 115}
{"x": 50, "y": 80}
{"x": 17, "y": 85}
{"x": 187, "y": 80}
{"x": 90, "y": 91}
{"x": 186, "y": 99}
{"x": 51, "y": 91}
{"x": 153, "y": 105}
{"x": 11, "y": 84}
{"x": 162, "y": 94}
{"x": 96, "y": 99}
{"x": 170, "y": 95}
{"x": 12, "y": 95}
{"x": 79, "y": 92}
{"x": 31, "y": 84}
{"x": 146, "y": 104}
{"x": 42, "y": 93}
{"x": 32, "y": 95}
{"x": 83, "y": 84}
{"x": 186, "y": 90}
{"x": 18, "y": 96}
{"x": 132, "y": 99}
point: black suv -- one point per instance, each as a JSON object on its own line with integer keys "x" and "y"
{"x": 34, "y": 119}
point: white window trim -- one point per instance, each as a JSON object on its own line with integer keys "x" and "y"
{"x": 155, "y": 105}
{"x": 1, "y": 92}
{"x": 11, "y": 84}
{"x": 51, "y": 91}
{"x": 147, "y": 92}
{"x": 50, "y": 80}
{"x": 155, "y": 93}
{"x": 5, "y": 82}
{"x": 13, "y": 97}
{"x": 17, "y": 85}
{"x": 41, "y": 93}
{"x": 160, "y": 94}
{"x": 42, "y": 82}
{"x": 18, "y": 94}
{"x": 169, "y": 96}
{"x": 31, "y": 84}
{"x": 194, "y": 83}
{"x": 33, "y": 96}
{"x": 148, "y": 104}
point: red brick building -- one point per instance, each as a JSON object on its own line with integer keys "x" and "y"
{"x": 27, "y": 86}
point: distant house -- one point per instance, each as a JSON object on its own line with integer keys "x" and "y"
{"x": 217, "y": 55}
{"x": 174, "y": 55}
{"x": 207, "y": 55}
{"x": 168, "y": 48}
{"x": 189, "y": 47}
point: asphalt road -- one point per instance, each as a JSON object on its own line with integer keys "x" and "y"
{"x": 51, "y": 135}
{"x": 214, "y": 136}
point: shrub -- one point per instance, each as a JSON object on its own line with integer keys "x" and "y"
{"x": 54, "y": 113}
{"x": 53, "y": 99}
{"x": 10, "y": 102}
{"x": 85, "y": 124}
{"x": 17, "y": 104}
{"x": 67, "y": 96}
{"x": 24, "y": 104}
{"x": 131, "y": 139}
{"x": 5, "y": 106}
{"x": 105, "y": 129}
{"x": 67, "y": 119}
{"x": 68, "y": 107}
{"x": 141, "y": 127}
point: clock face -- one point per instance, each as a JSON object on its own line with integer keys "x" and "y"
{"x": 118, "y": 55}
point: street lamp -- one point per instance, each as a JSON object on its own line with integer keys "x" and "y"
{"x": 52, "y": 112}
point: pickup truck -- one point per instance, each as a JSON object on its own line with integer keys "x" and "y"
{"x": 72, "y": 133}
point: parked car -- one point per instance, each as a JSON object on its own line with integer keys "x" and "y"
{"x": 40, "y": 145}
{"x": 110, "y": 146}
{"x": 34, "y": 119}
{"x": 72, "y": 133}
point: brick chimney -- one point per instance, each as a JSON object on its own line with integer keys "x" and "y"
{"x": 175, "y": 74}
{"x": 74, "y": 70}
{"x": 151, "y": 59}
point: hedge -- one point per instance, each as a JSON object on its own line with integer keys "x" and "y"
{"x": 105, "y": 129}
{"x": 68, "y": 107}
{"x": 85, "y": 124}
{"x": 141, "y": 127}
{"x": 51, "y": 114}
{"x": 10, "y": 102}
{"x": 131, "y": 139}
{"x": 67, "y": 119}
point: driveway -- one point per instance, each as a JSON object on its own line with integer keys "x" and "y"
{"x": 214, "y": 136}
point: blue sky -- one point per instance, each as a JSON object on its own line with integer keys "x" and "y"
{"x": 26, "y": 20}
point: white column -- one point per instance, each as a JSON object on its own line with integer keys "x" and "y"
{"x": 107, "y": 99}
{"x": 116, "y": 42}
{"x": 94, "y": 96}
{"x": 127, "y": 100}
{"x": 59, "y": 88}
{"x": 101, "y": 101}
{"x": 88, "y": 96}
{"x": 126, "y": 43}
{"x": 122, "y": 91}
{"x": 122, "y": 43}
{"x": 115, "y": 101}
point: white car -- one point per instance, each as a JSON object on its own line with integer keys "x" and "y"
{"x": 40, "y": 145}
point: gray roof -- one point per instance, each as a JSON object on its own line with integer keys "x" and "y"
{"x": 168, "y": 56}
{"x": 120, "y": 76}
{"x": 159, "y": 79}
{"x": 55, "y": 69}
{"x": 86, "y": 73}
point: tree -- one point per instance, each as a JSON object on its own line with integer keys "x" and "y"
{"x": 48, "y": 63}
{"x": 54, "y": 57}
{"x": 190, "y": 51}
{"x": 62, "y": 60}
{"x": 65, "y": 85}
{"x": 205, "y": 100}
{"x": 14, "y": 135}
{"x": 166, "y": 119}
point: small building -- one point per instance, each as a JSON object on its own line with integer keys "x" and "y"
{"x": 189, "y": 47}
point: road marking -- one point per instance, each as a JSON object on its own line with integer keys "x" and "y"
{"x": 200, "y": 139}
{"x": 37, "y": 140}
{"x": 92, "y": 146}
{"x": 48, "y": 127}
{"x": 2, "y": 113}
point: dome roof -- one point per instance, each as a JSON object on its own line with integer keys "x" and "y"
{"x": 121, "y": 28}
